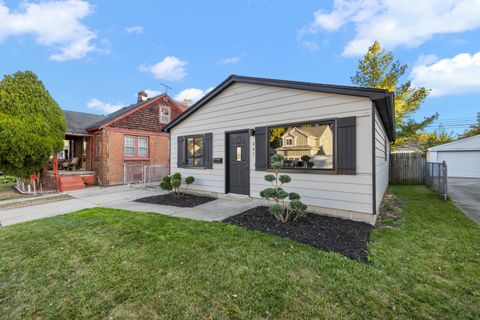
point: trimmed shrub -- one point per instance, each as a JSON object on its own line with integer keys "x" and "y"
{"x": 173, "y": 184}
{"x": 283, "y": 205}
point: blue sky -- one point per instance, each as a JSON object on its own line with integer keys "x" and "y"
{"x": 95, "y": 56}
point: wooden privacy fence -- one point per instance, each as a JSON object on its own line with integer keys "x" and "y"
{"x": 407, "y": 168}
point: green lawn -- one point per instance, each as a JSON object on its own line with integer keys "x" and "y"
{"x": 103, "y": 263}
{"x": 7, "y": 192}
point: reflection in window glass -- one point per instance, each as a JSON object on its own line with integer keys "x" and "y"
{"x": 239, "y": 153}
{"x": 164, "y": 115}
{"x": 304, "y": 146}
{"x": 194, "y": 152}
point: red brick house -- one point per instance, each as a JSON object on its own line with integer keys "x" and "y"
{"x": 105, "y": 144}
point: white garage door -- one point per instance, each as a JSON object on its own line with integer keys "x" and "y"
{"x": 461, "y": 163}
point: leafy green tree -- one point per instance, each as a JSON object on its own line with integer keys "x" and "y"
{"x": 32, "y": 125}
{"x": 473, "y": 130}
{"x": 378, "y": 69}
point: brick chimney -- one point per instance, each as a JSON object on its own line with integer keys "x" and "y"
{"x": 141, "y": 96}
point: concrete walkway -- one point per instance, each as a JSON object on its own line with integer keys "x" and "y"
{"x": 122, "y": 197}
{"x": 465, "y": 192}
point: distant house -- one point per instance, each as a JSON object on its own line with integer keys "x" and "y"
{"x": 103, "y": 145}
{"x": 307, "y": 146}
{"x": 335, "y": 140}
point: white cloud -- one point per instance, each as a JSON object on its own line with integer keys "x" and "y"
{"x": 457, "y": 75}
{"x": 104, "y": 107}
{"x": 231, "y": 60}
{"x": 152, "y": 93}
{"x": 395, "y": 23}
{"x": 134, "y": 29}
{"x": 53, "y": 23}
{"x": 310, "y": 46}
{"x": 171, "y": 69}
{"x": 193, "y": 94}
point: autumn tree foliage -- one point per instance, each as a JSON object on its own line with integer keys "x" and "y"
{"x": 32, "y": 125}
{"x": 379, "y": 69}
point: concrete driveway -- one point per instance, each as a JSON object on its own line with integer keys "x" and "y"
{"x": 123, "y": 197}
{"x": 465, "y": 192}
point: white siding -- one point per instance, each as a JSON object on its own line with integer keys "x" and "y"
{"x": 381, "y": 160}
{"x": 246, "y": 106}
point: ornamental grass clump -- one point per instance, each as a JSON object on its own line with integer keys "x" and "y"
{"x": 173, "y": 184}
{"x": 283, "y": 205}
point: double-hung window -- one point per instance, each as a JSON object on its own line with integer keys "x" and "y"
{"x": 142, "y": 147}
{"x": 194, "y": 151}
{"x": 130, "y": 146}
{"x": 164, "y": 115}
{"x": 136, "y": 147}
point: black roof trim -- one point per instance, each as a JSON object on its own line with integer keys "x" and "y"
{"x": 383, "y": 99}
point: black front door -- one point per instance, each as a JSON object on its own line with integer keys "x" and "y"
{"x": 238, "y": 174}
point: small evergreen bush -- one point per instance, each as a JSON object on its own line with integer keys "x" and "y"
{"x": 283, "y": 205}
{"x": 173, "y": 184}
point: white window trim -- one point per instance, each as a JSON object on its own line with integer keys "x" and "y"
{"x": 125, "y": 146}
{"x": 139, "y": 147}
{"x": 169, "y": 114}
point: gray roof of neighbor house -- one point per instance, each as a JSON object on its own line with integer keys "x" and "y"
{"x": 78, "y": 122}
{"x": 383, "y": 99}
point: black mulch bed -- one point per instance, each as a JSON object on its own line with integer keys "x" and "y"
{"x": 185, "y": 201}
{"x": 327, "y": 233}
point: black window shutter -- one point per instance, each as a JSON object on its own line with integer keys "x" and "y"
{"x": 207, "y": 150}
{"x": 346, "y": 145}
{"x": 260, "y": 148}
{"x": 180, "y": 152}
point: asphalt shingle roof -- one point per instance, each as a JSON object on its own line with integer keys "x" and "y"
{"x": 78, "y": 122}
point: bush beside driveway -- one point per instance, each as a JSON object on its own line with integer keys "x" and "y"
{"x": 101, "y": 263}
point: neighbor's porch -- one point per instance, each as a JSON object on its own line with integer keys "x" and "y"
{"x": 74, "y": 163}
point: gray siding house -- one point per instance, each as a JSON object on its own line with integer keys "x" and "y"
{"x": 334, "y": 139}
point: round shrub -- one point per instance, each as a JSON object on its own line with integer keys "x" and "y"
{"x": 269, "y": 177}
{"x": 176, "y": 183}
{"x": 305, "y": 158}
{"x": 284, "y": 178}
{"x": 177, "y": 176}
{"x": 293, "y": 196}
{"x": 165, "y": 185}
{"x": 268, "y": 193}
{"x": 281, "y": 194}
{"x": 276, "y": 209}
{"x": 189, "y": 180}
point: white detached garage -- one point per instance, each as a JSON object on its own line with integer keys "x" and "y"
{"x": 462, "y": 157}
{"x": 334, "y": 140}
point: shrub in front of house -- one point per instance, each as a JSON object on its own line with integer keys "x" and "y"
{"x": 283, "y": 205}
{"x": 173, "y": 184}
{"x": 7, "y": 179}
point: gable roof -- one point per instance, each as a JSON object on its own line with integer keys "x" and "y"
{"x": 383, "y": 99}
{"x": 470, "y": 143}
{"x": 78, "y": 122}
{"x": 133, "y": 107}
